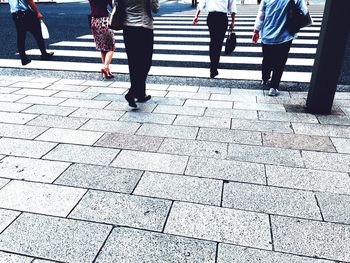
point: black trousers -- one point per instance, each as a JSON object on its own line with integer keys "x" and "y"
{"x": 217, "y": 23}
{"x": 139, "y": 49}
{"x": 274, "y": 60}
{"x": 26, "y": 21}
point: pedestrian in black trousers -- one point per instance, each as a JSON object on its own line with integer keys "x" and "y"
{"x": 26, "y": 17}
{"x": 217, "y": 22}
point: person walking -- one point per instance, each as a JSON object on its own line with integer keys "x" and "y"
{"x": 138, "y": 38}
{"x": 270, "y": 26}
{"x": 103, "y": 36}
{"x": 217, "y": 22}
{"x": 27, "y": 17}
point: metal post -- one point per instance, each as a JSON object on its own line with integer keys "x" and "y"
{"x": 329, "y": 56}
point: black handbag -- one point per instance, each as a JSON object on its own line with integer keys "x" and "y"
{"x": 231, "y": 42}
{"x": 89, "y": 17}
{"x": 296, "y": 19}
{"x": 117, "y": 17}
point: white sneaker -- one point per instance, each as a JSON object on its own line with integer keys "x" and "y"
{"x": 273, "y": 92}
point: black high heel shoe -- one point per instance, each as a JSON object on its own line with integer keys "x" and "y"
{"x": 106, "y": 74}
{"x": 131, "y": 100}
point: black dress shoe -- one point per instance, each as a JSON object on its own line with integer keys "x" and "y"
{"x": 131, "y": 100}
{"x": 144, "y": 99}
{"x": 213, "y": 74}
{"x": 25, "y": 60}
{"x": 47, "y": 56}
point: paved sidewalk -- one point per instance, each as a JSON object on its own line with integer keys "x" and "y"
{"x": 198, "y": 174}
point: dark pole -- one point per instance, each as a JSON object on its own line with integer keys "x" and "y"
{"x": 329, "y": 56}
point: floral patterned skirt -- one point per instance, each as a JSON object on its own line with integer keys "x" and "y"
{"x": 104, "y": 37}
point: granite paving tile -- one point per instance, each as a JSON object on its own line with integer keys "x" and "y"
{"x": 58, "y": 121}
{"x": 76, "y": 95}
{"x": 226, "y": 170}
{"x": 122, "y": 84}
{"x": 70, "y": 136}
{"x": 6, "y": 82}
{"x": 110, "y": 90}
{"x": 157, "y": 93}
{"x": 157, "y": 162}
{"x": 50, "y": 110}
{"x": 132, "y": 245}
{"x": 219, "y": 224}
{"x": 258, "y": 106}
{"x": 109, "y": 97}
{"x": 178, "y": 187}
{"x": 209, "y": 104}
{"x": 342, "y": 96}
{"x": 321, "y": 130}
{"x": 82, "y": 154}
{"x": 229, "y": 136}
{"x": 281, "y": 100}
{"x": 188, "y": 95}
{"x": 10, "y": 97}
{"x": 167, "y": 131}
{"x": 3, "y": 182}
{"x": 335, "y": 207}
{"x": 20, "y": 131}
{"x": 261, "y": 126}
{"x": 340, "y": 103}
{"x": 98, "y": 83}
{"x": 179, "y": 110}
{"x": 100, "y": 177}
{"x": 70, "y": 82}
{"x": 16, "y": 118}
{"x": 123, "y": 106}
{"x": 42, "y": 100}
{"x": 93, "y": 104}
{"x": 202, "y": 121}
{"x": 234, "y": 97}
{"x": 183, "y": 88}
{"x": 44, "y": 80}
{"x": 31, "y": 169}
{"x": 267, "y": 155}
{"x": 122, "y": 209}
{"x": 155, "y": 86}
{"x": 20, "y": 78}
{"x": 298, "y": 142}
{"x": 311, "y": 238}
{"x": 111, "y": 126}
{"x": 215, "y": 90}
{"x": 247, "y": 92}
{"x": 327, "y": 161}
{"x": 13, "y": 258}
{"x": 25, "y": 148}
{"x": 66, "y": 86}
{"x": 194, "y": 148}
{"x": 69, "y": 240}
{"x": 168, "y": 101}
{"x": 334, "y": 120}
{"x": 12, "y": 106}
{"x": 6, "y": 218}
{"x": 235, "y": 254}
{"x": 36, "y": 92}
{"x": 7, "y": 90}
{"x": 44, "y": 261}
{"x": 40, "y": 198}
{"x": 148, "y": 117}
{"x": 32, "y": 85}
{"x": 346, "y": 110}
{"x": 132, "y": 142}
{"x": 341, "y": 145}
{"x": 232, "y": 113}
{"x": 271, "y": 200}
{"x": 98, "y": 114}
{"x": 287, "y": 117}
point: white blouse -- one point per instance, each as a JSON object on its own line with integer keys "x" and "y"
{"x": 225, "y": 6}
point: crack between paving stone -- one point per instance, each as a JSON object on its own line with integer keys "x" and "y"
{"x": 319, "y": 207}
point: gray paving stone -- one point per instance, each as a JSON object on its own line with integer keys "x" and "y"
{"x": 219, "y": 224}
{"x": 40, "y": 198}
{"x": 226, "y": 170}
{"x": 44, "y": 80}
{"x": 235, "y": 254}
{"x": 230, "y": 136}
{"x": 341, "y": 145}
{"x": 209, "y": 104}
{"x": 68, "y": 87}
{"x": 70, "y": 136}
{"x": 132, "y": 245}
{"x": 31, "y": 169}
{"x": 131, "y": 142}
{"x": 82, "y": 154}
{"x": 32, "y": 85}
{"x": 42, "y": 100}
{"x": 334, "y": 120}
{"x": 298, "y": 142}
{"x": 341, "y": 103}
{"x": 194, "y": 148}
{"x": 247, "y": 92}
{"x": 202, "y": 121}
{"x": 98, "y": 114}
{"x": 76, "y": 95}
{"x": 20, "y": 78}
{"x": 121, "y": 84}
{"x": 109, "y": 97}
{"x": 232, "y": 113}
{"x": 157, "y": 93}
{"x": 327, "y": 161}
{"x": 179, "y": 110}
{"x": 155, "y": 86}
{"x": 287, "y": 117}
{"x": 188, "y": 95}
{"x": 93, "y": 104}
{"x": 111, "y": 126}
{"x": 234, "y": 97}
{"x": 262, "y": 126}
{"x": 58, "y": 121}
{"x": 6, "y": 90}
{"x": 111, "y": 90}
{"x": 281, "y": 100}
{"x": 215, "y": 90}
{"x": 12, "y": 106}
{"x": 157, "y": 162}
{"x": 25, "y": 148}
{"x": 148, "y": 117}
{"x": 43, "y": 261}
{"x": 6, "y": 218}
{"x": 98, "y": 83}
{"x": 178, "y": 187}
{"x": 346, "y": 110}
{"x": 36, "y": 92}
{"x": 342, "y": 96}
{"x": 50, "y": 110}
{"x": 267, "y": 155}
{"x": 168, "y": 101}
{"x": 10, "y": 97}
{"x": 69, "y": 240}
{"x": 183, "y": 88}
{"x": 258, "y": 106}
{"x": 3, "y": 182}
{"x": 322, "y": 130}
{"x": 271, "y": 200}
{"x": 307, "y": 179}
{"x": 311, "y": 238}
{"x": 16, "y": 118}
{"x": 6, "y": 82}
{"x": 335, "y": 207}
{"x": 123, "y": 106}
{"x": 13, "y": 258}
{"x": 100, "y": 177}
{"x": 20, "y": 131}
{"x": 122, "y": 209}
{"x": 70, "y": 82}
{"x": 167, "y": 131}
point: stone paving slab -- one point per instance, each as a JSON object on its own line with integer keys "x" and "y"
{"x": 13, "y": 258}
{"x": 210, "y": 122}
{"x": 36, "y": 92}
{"x": 327, "y": 161}
{"x": 131, "y": 245}
{"x": 322, "y": 130}
{"x": 167, "y": 131}
{"x": 335, "y": 207}
{"x": 121, "y": 209}
{"x": 122, "y": 106}
{"x": 50, "y": 110}
{"x": 262, "y": 126}
{"x": 144, "y": 117}
{"x": 287, "y": 117}
{"x": 341, "y": 145}
{"x": 258, "y": 106}
{"x": 16, "y": 118}
{"x": 32, "y": 85}
{"x": 232, "y": 113}
{"x": 58, "y": 122}
{"x": 209, "y": 104}
{"x": 188, "y": 95}
{"x": 76, "y": 95}
{"x": 311, "y": 238}
{"x": 31, "y": 169}
{"x": 12, "y": 107}
{"x": 20, "y": 131}
{"x": 110, "y": 126}
{"x": 42, "y": 100}
{"x": 69, "y": 240}
{"x": 98, "y": 114}
{"x": 3, "y": 182}
{"x": 219, "y": 224}
{"x": 334, "y": 120}
{"x": 40, "y": 198}
{"x": 93, "y": 104}
{"x": 179, "y": 110}
{"x": 234, "y": 98}
{"x": 6, "y": 218}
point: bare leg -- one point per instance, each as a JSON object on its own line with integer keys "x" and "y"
{"x": 108, "y": 59}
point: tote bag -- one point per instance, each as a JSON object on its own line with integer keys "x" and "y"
{"x": 231, "y": 42}
{"x": 296, "y": 19}
{"x": 117, "y": 17}
{"x": 44, "y": 30}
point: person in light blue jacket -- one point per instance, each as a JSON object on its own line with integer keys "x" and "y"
{"x": 270, "y": 26}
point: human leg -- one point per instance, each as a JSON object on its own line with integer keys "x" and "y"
{"x": 19, "y": 21}
{"x": 280, "y": 58}
{"x": 266, "y": 66}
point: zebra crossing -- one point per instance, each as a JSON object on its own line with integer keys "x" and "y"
{"x": 181, "y": 50}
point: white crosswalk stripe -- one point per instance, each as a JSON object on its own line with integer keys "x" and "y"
{"x": 181, "y": 49}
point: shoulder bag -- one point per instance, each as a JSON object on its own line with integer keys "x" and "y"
{"x": 117, "y": 17}
{"x": 296, "y": 19}
{"x": 231, "y": 42}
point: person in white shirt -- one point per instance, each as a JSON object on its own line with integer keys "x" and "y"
{"x": 217, "y": 22}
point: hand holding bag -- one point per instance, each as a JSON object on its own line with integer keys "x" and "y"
{"x": 231, "y": 42}
{"x": 117, "y": 17}
{"x": 296, "y": 19}
{"x": 44, "y": 31}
